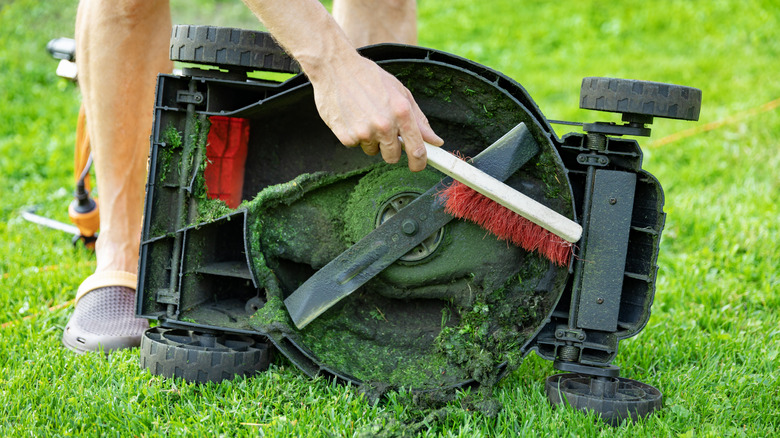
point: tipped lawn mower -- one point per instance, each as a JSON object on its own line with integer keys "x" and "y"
{"x": 251, "y": 200}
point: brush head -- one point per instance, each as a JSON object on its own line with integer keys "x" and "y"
{"x": 465, "y": 203}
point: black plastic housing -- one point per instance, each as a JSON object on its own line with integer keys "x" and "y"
{"x": 197, "y": 274}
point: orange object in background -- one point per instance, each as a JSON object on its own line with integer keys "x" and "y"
{"x": 83, "y": 211}
{"x": 87, "y": 220}
{"x": 226, "y": 152}
{"x": 83, "y": 149}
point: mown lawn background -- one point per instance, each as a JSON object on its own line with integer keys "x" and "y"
{"x": 712, "y": 344}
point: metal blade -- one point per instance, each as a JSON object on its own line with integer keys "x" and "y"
{"x": 50, "y": 223}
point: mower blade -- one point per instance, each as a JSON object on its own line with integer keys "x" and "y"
{"x": 390, "y": 240}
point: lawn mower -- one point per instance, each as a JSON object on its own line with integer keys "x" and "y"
{"x": 251, "y": 200}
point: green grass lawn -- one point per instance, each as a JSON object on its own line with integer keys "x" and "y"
{"x": 712, "y": 344}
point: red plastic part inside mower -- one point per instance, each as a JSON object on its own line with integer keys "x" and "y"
{"x": 226, "y": 152}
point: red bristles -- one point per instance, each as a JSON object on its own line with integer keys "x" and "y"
{"x": 463, "y": 202}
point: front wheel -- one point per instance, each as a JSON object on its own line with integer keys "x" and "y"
{"x": 645, "y": 98}
{"x": 614, "y": 399}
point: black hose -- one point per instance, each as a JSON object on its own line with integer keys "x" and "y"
{"x": 84, "y": 204}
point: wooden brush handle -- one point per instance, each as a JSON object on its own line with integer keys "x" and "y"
{"x": 501, "y": 193}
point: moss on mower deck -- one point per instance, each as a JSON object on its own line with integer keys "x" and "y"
{"x": 371, "y": 338}
{"x": 382, "y": 183}
{"x": 495, "y": 328}
{"x": 173, "y": 142}
{"x": 424, "y": 344}
{"x": 374, "y": 341}
{"x": 367, "y": 337}
{"x": 204, "y": 209}
{"x": 389, "y": 333}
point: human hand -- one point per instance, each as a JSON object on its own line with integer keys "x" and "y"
{"x": 366, "y": 106}
{"x": 361, "y": 103}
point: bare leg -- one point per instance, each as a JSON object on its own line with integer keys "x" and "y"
{"x": 370, "y": 22}
{"x": 121, "y": 46}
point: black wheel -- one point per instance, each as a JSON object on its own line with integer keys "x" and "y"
{"x": 202, "y": 357}
{"x": 629, "y": 96}
{"x": 613, "y": 398}
{"x": 231, "y": 49}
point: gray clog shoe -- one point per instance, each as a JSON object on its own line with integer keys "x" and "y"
{"x": 104, "y": 317}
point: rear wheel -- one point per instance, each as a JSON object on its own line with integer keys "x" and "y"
{"x": 202, "y": 357}
{"x": 235, "y": 50}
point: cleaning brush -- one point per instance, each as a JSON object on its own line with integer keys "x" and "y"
{"x": 510, "y": 215}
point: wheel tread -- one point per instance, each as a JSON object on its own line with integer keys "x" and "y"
{"x": 172, "y": 359}
{"x": 230, "y": 48}
{"x": 640, "y": 97}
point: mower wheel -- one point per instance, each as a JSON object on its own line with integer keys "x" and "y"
{"x": 202, "y": 357}
{"x": 613, "y": 398}
{"x": 645, "y": 98}
{"x": 231, "y": 49}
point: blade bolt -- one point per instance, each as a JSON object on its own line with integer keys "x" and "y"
{"x": 409, "y": 227}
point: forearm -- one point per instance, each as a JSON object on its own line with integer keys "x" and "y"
{"x": 307, "y": 31}
{"x": 361, "y": 103}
